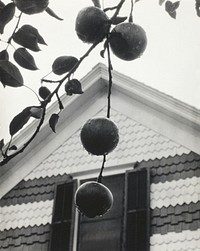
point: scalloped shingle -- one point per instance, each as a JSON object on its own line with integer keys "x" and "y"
{"x": 184, "y": 241}
{"x": 175, "y": 192}
{"x": 137, "y": 143}
{"x": 24, "y": 215}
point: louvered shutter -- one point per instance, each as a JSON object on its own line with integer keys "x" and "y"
{"x": 62, "y": 220}
{"x": 137, "y": 213}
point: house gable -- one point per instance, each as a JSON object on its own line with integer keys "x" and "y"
{"x": 168, "y": 117}
{"x": 137, "y": 142}
{"x": 156, "y": 132}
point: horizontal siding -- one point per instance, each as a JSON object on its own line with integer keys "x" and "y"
{"x": 24, "y": 215}
{"x": 33, "y": 190}
{"x": 175, "y": 192}
{"x": 173, "y": 168}
{"x": 175, "y": 218}
{"x": 184, "y": 241}
{"x": 34, "y": 238}
{"x": 175, "y": 203}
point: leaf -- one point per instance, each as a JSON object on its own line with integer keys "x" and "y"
{"x": 10, "y": 74}
{"x": 118, "y": 20}
{"x": 53, "y": 14}
{"x": 7, "y": 14}
{"x": 26, "y": 39}
{"x": 197, "y": 7}
{"x": 4, "y": 55}
{"x": 25, "y": 59}
{"x": 161, "y": 2}
{"x": 2, "y": 5}
{"x": 73, "y": 86}
{"x": 53, "y": 121}
{"x": 36, "y": 112}
{"x": 1, "y": 144}
{"x": 13, "y": 147}
{"x": 44, "y": 92}
{"x": 96, "y": 3}
{"x": 19, "y": 121}
{"x": 63, "y": 64}
{"x": 171, "y": 8}
{"x": 32, "y": 30}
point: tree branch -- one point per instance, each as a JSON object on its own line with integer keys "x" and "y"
{"x": 8, "y": 158}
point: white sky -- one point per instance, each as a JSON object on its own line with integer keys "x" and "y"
{"x": 169, "y": 64}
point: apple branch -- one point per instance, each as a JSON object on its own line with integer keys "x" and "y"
{"x": 6, "y": 157}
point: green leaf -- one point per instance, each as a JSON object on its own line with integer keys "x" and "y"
{"x": 1, "y": 144}
{"x": 63, "y": 64}
{"x": 73, "y": 86}
{"x": 197, "y": 7}
{"x": 2, "y": 5}
{"x": 44, "y": 92}
{"x": 26, "y": 39}
{"x": 32, "y": 30}
{"x": 19, "y": 121}
{"x": 7, "y": 14}
{"x": 10, "y": 74}
{"x": 25, "y": 59}
{"x": 4, "y": 55}
{"x": 13, "y": 147}
{"x": 96, "y": 3}
{"x": 118, "y": 20}
{"x": 36, "y": 112}
{"x": 53, "y": 14}
{"x": 161, "y": 2}
{"x": 53, "y": 121}
{"x": 171, "y": 8}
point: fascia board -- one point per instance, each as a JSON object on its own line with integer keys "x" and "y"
{"x": 159, "y": 101}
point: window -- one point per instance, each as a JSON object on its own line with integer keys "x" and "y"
{"x": 104, "y": 233}
{"x": 124, "y": 228}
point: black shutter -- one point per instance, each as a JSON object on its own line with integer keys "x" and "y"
{"x": 63, "y": 214}
{"x": 137, "y": 213}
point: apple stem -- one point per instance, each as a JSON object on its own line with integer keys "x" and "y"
{"x": 110, "y": 68}
{"x": 131, "y": 13}
{"x": 99, "y": 179}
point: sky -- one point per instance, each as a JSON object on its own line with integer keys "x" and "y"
{"x": 169, "y": 64}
